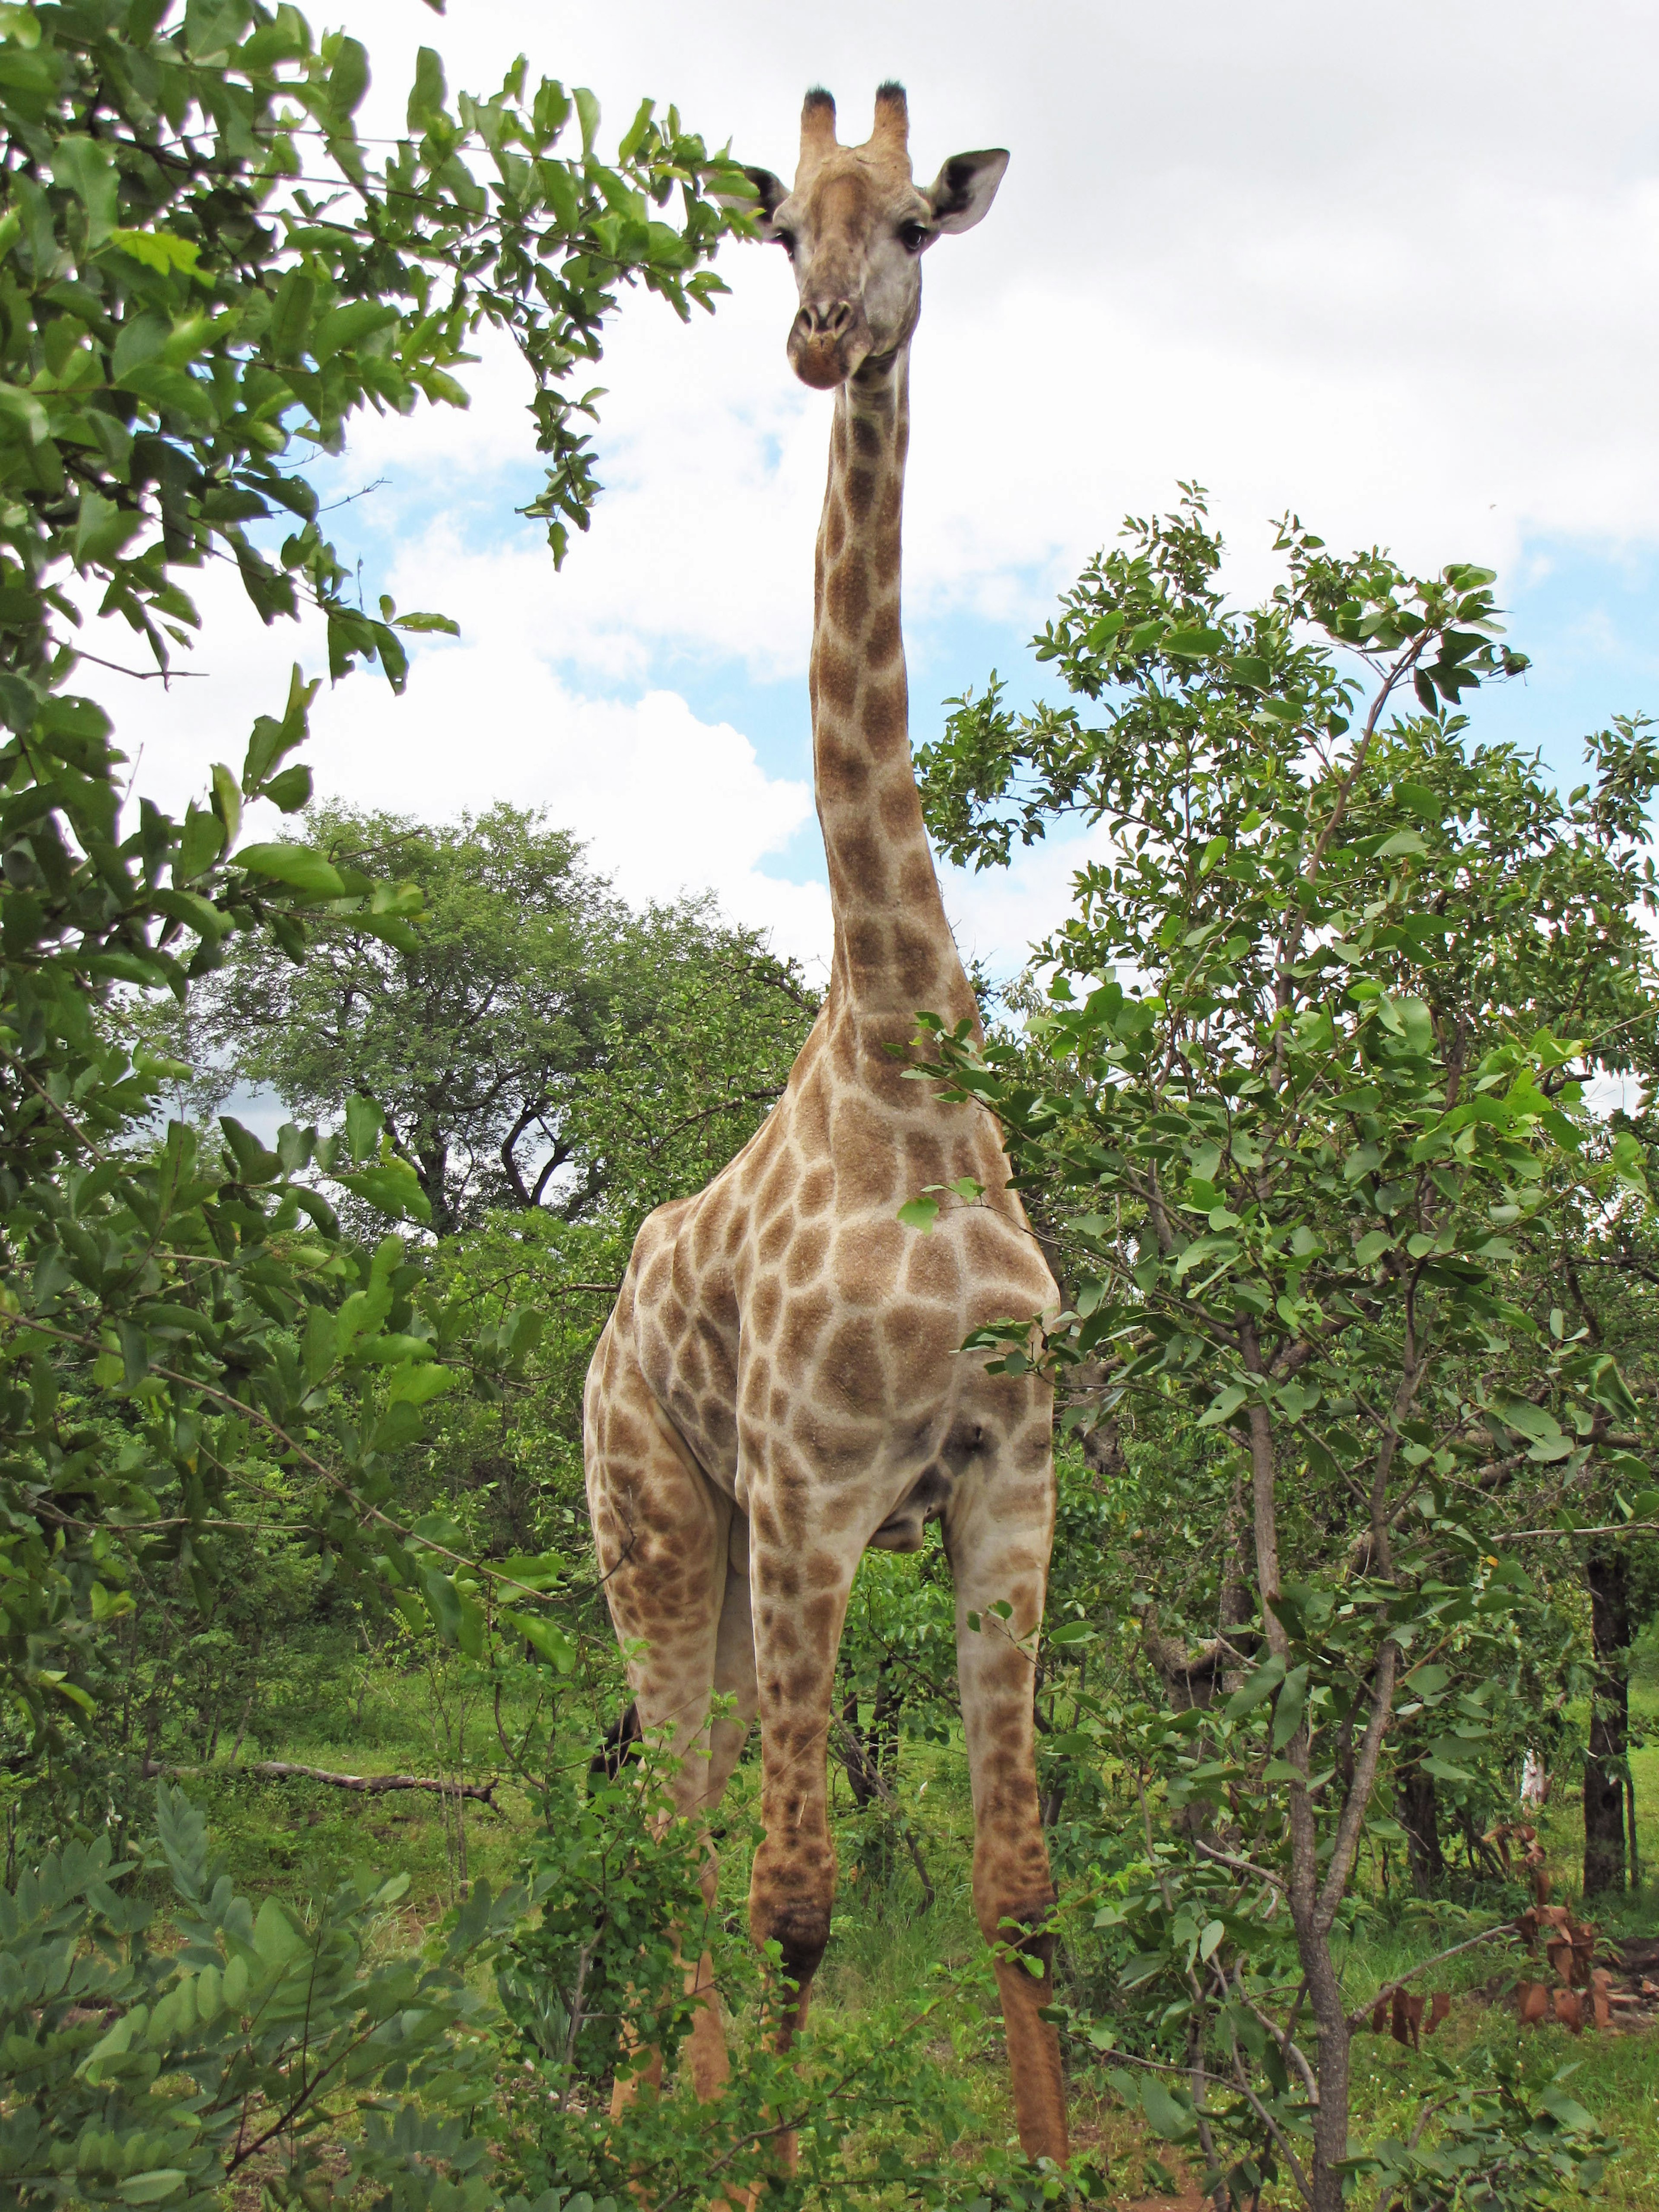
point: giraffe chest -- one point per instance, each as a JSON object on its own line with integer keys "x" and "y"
{"x": 792, "y": 1321}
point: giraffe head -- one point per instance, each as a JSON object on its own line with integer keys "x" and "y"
{"x": 855, "y": 227}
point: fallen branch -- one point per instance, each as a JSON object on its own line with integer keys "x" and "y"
{"x": 1357, "y": 2019}
{"x": 371, "y": 1786}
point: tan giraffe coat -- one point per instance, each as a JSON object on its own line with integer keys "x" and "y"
{"x": 780, "y": 1386}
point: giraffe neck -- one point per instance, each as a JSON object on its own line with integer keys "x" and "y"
{"x": 894, "y": 953}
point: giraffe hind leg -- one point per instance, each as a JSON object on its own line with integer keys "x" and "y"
{"x": 666, "y": 1537}
{"x": 998, "y": 1530}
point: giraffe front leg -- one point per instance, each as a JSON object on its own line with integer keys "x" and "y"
{"x": 998, "y": 1531}
{"x": 799, "y": 1585}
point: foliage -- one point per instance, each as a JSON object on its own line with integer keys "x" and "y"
{"x": 1509, "y": 2145}
{"x": 1307, "y": 1091}
{"x": 262, "y": 2046}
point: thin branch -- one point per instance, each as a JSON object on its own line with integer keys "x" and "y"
{"x": 146, "y": 675}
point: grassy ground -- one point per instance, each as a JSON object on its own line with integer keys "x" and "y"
{"x": 297, "y": 1837}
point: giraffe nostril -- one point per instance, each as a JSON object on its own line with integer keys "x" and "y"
{"x": 827, "y": 318}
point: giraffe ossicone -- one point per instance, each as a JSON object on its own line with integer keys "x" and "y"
{"x": 780, "y": 1387}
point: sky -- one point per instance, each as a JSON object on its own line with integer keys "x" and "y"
{"x": 1394, "y": 269}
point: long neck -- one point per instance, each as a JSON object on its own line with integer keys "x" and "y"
{"x": 894, "y": 953}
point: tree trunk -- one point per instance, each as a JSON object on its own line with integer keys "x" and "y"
{"x": 1419, "y": 1816}
{"x": 1607, "y": 1764}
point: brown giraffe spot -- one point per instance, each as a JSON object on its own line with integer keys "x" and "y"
{"x": 709, "y": 1220}
{"x": 818, "y": 1188}
{"x": 850, "y": 1377}
{"x": 806, "y": 1255}
{"x": 916, "y": 961}
{"x": 864, "y": 864}
{"x": 932, "y": 1270}
{"x": 866, "y": 436}
{"x": 834, "y": 536}
{"x": 883, "y": 639}
{"x": 919, "y": 1341}
{"x": 811, "y": 1103}
{"x": 777, "y": 1191}
{"x": 860, "y": 493}
{"x": 886, "y": 719}
{"x": 838, "y": 678}
{"x": 842, "y": 771}
{"x": 765, "y": 1303}
{"x": 828, "y": 1452}
{"x": 803, "y": 1325}
{"x": 901, "y": 818}
{"x": 865, "y": 1157}
{"x": 847, "y": 597}
{"x": 924, "y": 1162}
{"x": 868, "y": 1257}
{"x": 776, "y": 1575}
{"x": 916, "y": 880}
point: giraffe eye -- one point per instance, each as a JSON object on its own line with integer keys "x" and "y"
{"x": 785, "y": 238}
{"x": 912, "y": 236}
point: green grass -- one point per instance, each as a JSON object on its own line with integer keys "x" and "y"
{"x": 297, "y": 1837}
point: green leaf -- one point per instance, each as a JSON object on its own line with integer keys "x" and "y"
{"x": 1630, "y": 1162}
{"x": 1170, "y": 2115}
{"x": 227, "y": 800}
{"x": 545, "y": 1637}
{"x": 919, "y": 1214}
{"x": 1194, "y": 643}
{"x": 297, "y": 866}
{"x": 348, "y": 79}
{"x": 587, "y": 110}
{"x": 420, "y": 1383}
{"x": 159, "y": 250}
{"x": 392, "y": 1187}
{"x": 1292, "y": 1703}
{"x": 364, "y": 1121}
{"x": 1403, "y": 842}
{"x": 425, "y": 97}
{"x": 152, "y": 2187}
{"x": 200, "y": 845}
{"x": 87, "y": 166}
{"x": 1257, "y": 1689}
{"x": 101, "y": 528}
{"x": 276, "y": 1938}
{"x": 1225, "y": 1403}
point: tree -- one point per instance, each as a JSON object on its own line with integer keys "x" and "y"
{"x": 203, "y": 275}
{"x": 1298, "y": 1089}
{"x": 536, "y": 1043}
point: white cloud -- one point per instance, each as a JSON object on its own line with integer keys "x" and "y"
{"x": 666, "y": 802}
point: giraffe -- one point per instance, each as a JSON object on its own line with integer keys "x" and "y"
{"x": 779, "y": 1387}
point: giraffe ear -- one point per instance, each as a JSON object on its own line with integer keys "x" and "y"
{"x": 961, "y": 194}
{"x": 772, "y": 190}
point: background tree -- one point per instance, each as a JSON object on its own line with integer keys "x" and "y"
{"x": 536, "y": 1043}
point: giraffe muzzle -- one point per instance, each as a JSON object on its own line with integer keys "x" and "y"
{"x": 828, "y": 343}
